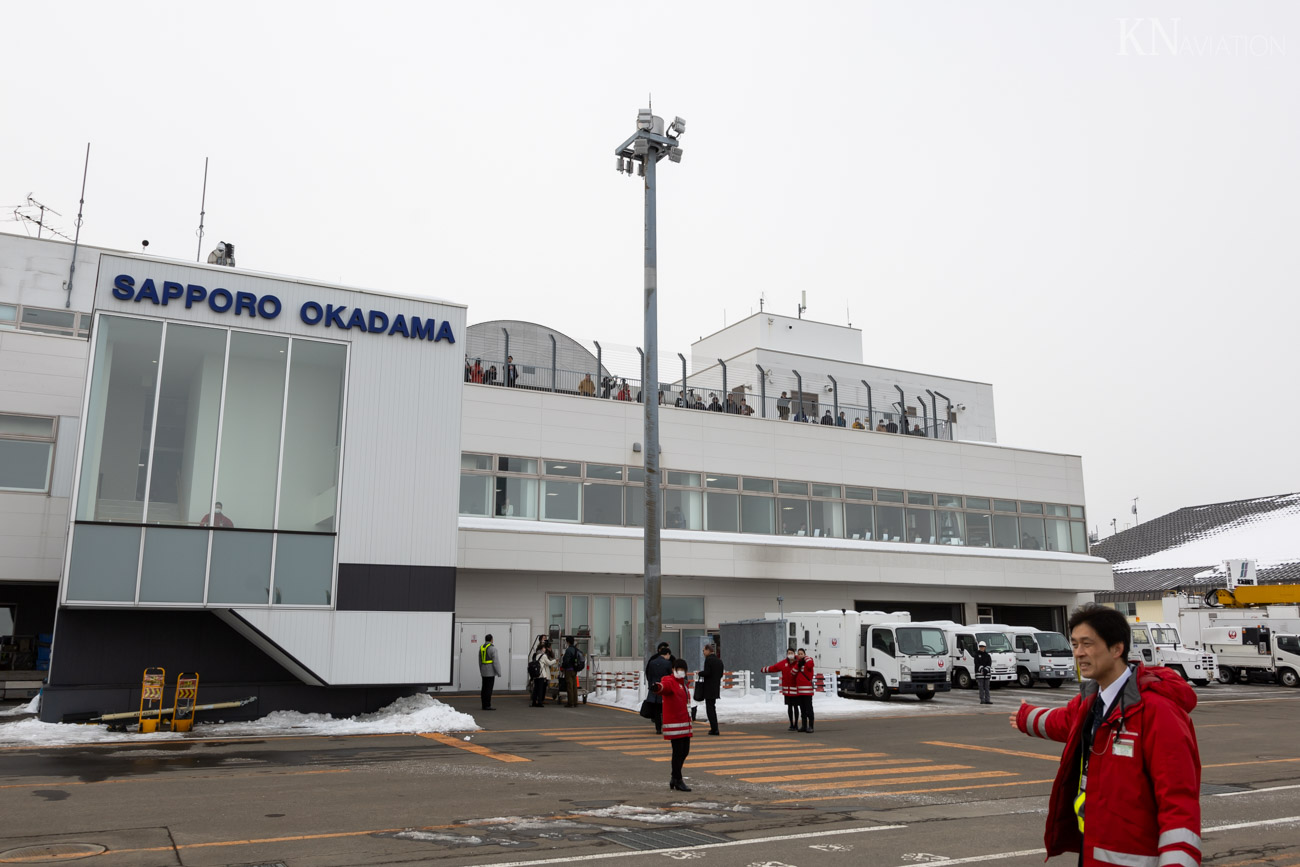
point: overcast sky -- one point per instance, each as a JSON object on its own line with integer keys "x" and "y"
{"x": 1091, "y": 205}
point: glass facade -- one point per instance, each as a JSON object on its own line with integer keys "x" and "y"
{"x": 594, "y": 494}
{"x": 219, "y": 450}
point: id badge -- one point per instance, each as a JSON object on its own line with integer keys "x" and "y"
{"x": 1123, "y": 746}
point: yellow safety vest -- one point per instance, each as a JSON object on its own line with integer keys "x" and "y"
{"x": 483, "y": 654}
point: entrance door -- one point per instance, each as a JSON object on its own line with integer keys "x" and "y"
{"x": 468, "y": 643}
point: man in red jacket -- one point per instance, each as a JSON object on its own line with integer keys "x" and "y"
{"x": 804, "y": 683}
{"x": 1130, "y": 763}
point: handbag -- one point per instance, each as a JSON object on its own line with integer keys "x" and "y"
{"x": 648, "y": 709}
{"x": 699, "y": 692}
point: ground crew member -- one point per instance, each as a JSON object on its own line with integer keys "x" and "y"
{"x": 786, "y": 667}
{"x": 489, "y": 669}
{"x": 1130, "y": 763}
{"x": 805, "y": 684}
{"x": 983, "y": 671}
{"x": 676, "y": 719}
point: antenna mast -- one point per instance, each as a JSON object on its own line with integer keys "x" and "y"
{"x": 203, "y": 204}
{"x": 81, "y": 206}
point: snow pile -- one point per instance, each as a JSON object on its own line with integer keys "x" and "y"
{"x": 409, "y": 715}
{"x": 652, "y": 815}
{"x": 1273, "y": 537}
{"x": 32, "y": 706}
{"x": 756, "y": 708}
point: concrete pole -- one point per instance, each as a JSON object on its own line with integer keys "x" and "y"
{"x": 653, "y": 567}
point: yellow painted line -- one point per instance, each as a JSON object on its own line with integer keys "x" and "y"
{"x": 815, "y": 766}
{"x": 697, "y": 746}
{"x": 894, "y": 781}
{"x": 854, "y": 796}
{"x": 703, "y": 742}
{"x": 755, "y": 755}
{"x": 824, "y": 759}
{"x": 1259, "y": 762}
{"x": 473, "y": 748}
{"x": 180, "y": 777}
{"x": 846, "y": 774}
{"x": 993, "y": 750}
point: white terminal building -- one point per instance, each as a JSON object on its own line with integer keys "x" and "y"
{"x": 325, "y": 497}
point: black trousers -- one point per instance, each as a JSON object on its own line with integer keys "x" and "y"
{"x": 658, "y": 718}
{"x": 539, "y": 690}
{"x": 711, "y": 711}
{"x": 681, "y": 749}
{"x": 805, "y": 705}
{"x": 486, "y": 694}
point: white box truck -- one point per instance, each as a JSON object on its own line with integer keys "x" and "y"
{"x": 875, "y": 653}
{"x": 963, "y": 641}
{"x": 1041, "y": 655}
{"x": 1160, "y": 644}
{"x": 1254, "y": 653}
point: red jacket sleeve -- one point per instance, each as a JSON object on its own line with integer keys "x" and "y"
{"x": 1049, "y": 723}
{"x": 776, "y": 666}
{"x": 1174, "y": 763}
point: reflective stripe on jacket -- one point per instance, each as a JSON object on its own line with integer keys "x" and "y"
{"x": 804, "y": 681}
{"x": 787, "y": 676}
{"x": 677, "y": 719}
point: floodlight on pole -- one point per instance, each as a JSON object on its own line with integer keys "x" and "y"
{"x": 646, "y": 147}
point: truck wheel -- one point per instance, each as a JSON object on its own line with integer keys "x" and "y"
{"x": 1055, "y": 683}
{"x": 1201, "y": 682}
{"x": 924, "y": 696}
{"x": 1178, "y": 670}
{"x": 879, "y": 691}
{"x": 1023, "y": 678}
{"x": 1288, "y": 677}
{"x": 1227, "y": 674}
{"x": 961, "y": 679}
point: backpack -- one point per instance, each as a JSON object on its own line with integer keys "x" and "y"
{"x": 579, "y": 661}
{"x": 534, "y": 669}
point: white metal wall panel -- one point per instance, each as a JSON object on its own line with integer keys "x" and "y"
{"x": 65, "y": 456}
{"x": 35, "y": 271}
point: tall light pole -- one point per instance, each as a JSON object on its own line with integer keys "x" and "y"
{"x": 647, "y": 146}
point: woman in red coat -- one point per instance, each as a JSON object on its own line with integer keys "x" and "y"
{"x": 788, "y": 688}
{"x": 677, "y": 719}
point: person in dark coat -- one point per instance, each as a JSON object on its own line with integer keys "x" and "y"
{"x": 711, "y": 685}
{"x": 657, "y": 668}
{"x": 983, "y": 671}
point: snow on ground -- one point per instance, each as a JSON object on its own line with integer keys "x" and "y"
{"x": 412, "y": 714}
{"x": 652, "y": 815}
{"x": 32, "y": 706}
{"x": 756, "y": 708}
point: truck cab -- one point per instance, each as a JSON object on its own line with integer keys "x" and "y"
{"x": 963, "y": 642}
{"x": 1160, "y": 644}
{"x": 1041, "y": 655}
{"x": 904, "y": 658}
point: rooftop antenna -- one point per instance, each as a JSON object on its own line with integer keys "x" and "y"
{"x": 803, "y": 303}
{"x": 203, "y": 204}
{"x": 1135, "y": 511}
{"x": 40, "y": 223}
{"x": 81, "y": 206}
{"x": 762, "y": 296}
{"x": 848, "y": 317}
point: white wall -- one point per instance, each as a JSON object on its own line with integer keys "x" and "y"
{"x": 781, "y": 334}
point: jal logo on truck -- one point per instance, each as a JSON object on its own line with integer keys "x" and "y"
{"x": 1232, "y": 633}
{"x": 941, "y": 663}
{"x": 835, "y": 642}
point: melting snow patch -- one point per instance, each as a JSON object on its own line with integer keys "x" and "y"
{"x": 711, "y": 805}
{"x": 512, "y": 824}
{"x": 644, "y": 814}
{"x": 431, "y": 837}
{"x": 33, "y": 706}
{"x": 409, "y": 715}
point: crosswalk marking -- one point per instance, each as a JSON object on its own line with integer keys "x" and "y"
{"x": 818, "y": 756}
{"x": 893, "y": 781}
{"x": 840, "y": 764}
{"x": 659, "y": 757}
{"x": 844, "y": 774}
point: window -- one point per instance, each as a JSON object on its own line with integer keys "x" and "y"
{"x": 560, "y": 501}
{"x": 1025, "y": 644}
{"x": 313, "y": 433}
{"x": 1288, "y": 643}
{"x": 634, "y": 505}
{"x": 1058, "y": 535}
{"x": 683, "y": 609}
{"x": 883, "y": 496}
{"x": 945, "y": 501}
{"x": 951, "y": 527}
{"x": 636, "y": 474}
{"x": 828, "y": 491}
{"x": 728, "y": 483}
{"x": 979, "y": 529}
{"x": 67, "y": 323}
{"x": 761, "y": 486}
{"x": 603, "y": 504}
{"x": 475, "y": 462}
{"x": 798, "y": 488}
{"x": 1076, "y": 511}
{"x": 1004, "y": 506}
{"x": 605, "y": 472}
{"x": 757, "y": 514}
{"x": 571, "y": 469}
{"x": 1031, "y": 508}
{"x": 475, "y": 494}
{"x": 889, "y": 523}
{"x": 685, "y": 480}
{"x": 915, "y": 499}
{"x": 793, "y": 516}
{"x": 1078, "y": 538}
{"x": 515, "y": 498}
{"x": 1056, "y": 511}
{"x": 1006, "y": 532}
{"x": 858, "y": 523}
{"x": 682, "y": 510}
{"x": 26, "y": 452}
{"x": 1128, "y": 609}
{"x": 859, "y": 494}
{"x": 883, "y": 641}
{"x": 826, "y": 519}
{"x": 721, "y": 512}
{"x": 1032, "y": 535}
{"x": 978, "y": 503}
{"x": 920, "y": 527}
{"x": 250, "y": 433}
{"x": 516, "y": 465}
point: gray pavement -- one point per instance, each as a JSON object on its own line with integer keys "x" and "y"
{"x": 558, "y": 785}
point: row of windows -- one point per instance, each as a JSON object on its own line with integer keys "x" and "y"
{"x": 26, "y": 452}
{"x": 43, "y": 320}
{"x": 615, "y": 625}
{"x": 731, "y": 504}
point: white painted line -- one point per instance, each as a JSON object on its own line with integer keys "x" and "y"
{"x": 1254, "y": 791}
{"x": 1262, "y": 822}
{"x": 569, "y": 859}
{"x": 975, "y": 859}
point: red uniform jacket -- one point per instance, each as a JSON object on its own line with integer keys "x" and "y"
{"x": 1143, "y": 801}
{"x": 804, "y": 681}
{"x": 677, "y": 719}
{"x": 787, "y": 676}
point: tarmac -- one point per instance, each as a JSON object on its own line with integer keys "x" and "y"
{"x": 559, "y": 785}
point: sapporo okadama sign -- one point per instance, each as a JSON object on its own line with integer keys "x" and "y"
{"x": 269, "y": 307}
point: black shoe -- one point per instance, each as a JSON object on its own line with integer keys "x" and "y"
{"x": 679, "y": 785}
{"x": 793, "y": 728}
{"x": 489, "y": 708}
{"x": 659, "y": 731}
{"x": 803, "y": 728}
{"x": 810, "y": 728}
{"x": 715, "y": 732}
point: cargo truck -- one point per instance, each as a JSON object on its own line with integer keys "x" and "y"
{"x": 963, "y": 641}
{"x": 875, "y": 654}
{"x": 1040, "y": 656}
{"x": 1160, "y": 644}
{"x": 1254, "y": 653}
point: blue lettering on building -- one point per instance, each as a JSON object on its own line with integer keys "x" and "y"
{"x": 269, "y": 307}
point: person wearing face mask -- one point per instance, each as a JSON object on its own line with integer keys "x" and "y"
{"x": 216, "y": 518}
{"x": 677, "y": 720}
{"x": 804, "y": 686}
{"x": 786, "y": 667}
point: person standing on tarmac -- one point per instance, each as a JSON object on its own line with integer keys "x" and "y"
{"x": 489, "y": 669}
{"x": 711, "y": 685}
{"x": 805, "y": 684}
{"x": 983, "y": 671}
{"x": 656, "y": 669}
{"x": 786, "y": 667}
{"x": 676, "y": 719}
{"x": 1130, "y": 755}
